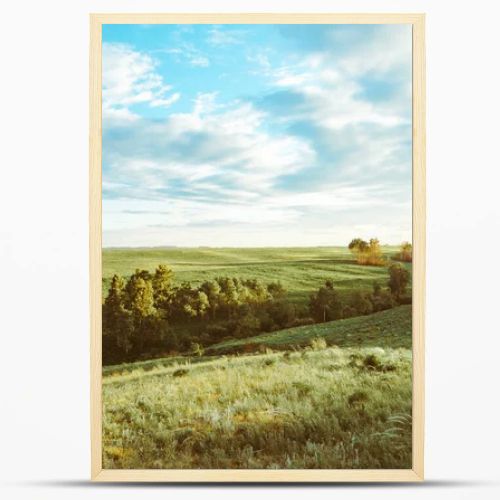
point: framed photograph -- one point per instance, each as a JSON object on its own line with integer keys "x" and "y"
{"x": 257, "y": 247}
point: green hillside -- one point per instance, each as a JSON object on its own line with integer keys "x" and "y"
{"x": 326, "y": 408}
{"x": 391, "y": 328}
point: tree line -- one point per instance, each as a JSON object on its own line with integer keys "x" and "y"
{"x": 148, "y": 315}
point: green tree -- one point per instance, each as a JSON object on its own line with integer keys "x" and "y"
{"x": 140, "y": 299}
{"x": 212, "y": 290}
{"x": 399, "y": 277}
{"x": 163, "y": 288}
{"x": 325, "y": 305}
{"x": 360, "y": 303}
{"x": 277, "y": 290}
{"x": 229, "y": 296}
{"x": 117, "y": 325}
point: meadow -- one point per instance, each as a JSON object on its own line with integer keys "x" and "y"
{"x": 300, "y": 270}
{"x": 318, "y": 407}
{"x": 335, "y": 394}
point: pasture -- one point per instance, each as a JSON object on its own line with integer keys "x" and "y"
{"x": 300, "y": 270}
{"x": 327, "y": 408}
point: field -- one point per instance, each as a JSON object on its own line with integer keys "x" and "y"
{"x": 328, "y": 395}
{"x": 300, "y": 270}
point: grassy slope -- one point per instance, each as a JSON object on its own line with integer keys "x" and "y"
{"x": 385, "y": 328}
{"x": 305, "y": 409}
{"x": 309, "y": 409}
{"x": 301, "y": 270}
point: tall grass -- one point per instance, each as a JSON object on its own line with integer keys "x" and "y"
{"x": 324, "y": 408}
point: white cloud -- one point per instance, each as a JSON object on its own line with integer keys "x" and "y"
{"x": 190, "y": 54}
{"x": 129, "y": 77}
{"x": 213, "y": 141}
{"x": 165, "y": 102}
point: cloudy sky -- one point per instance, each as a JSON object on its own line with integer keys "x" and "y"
{"x": 256, "y": 135}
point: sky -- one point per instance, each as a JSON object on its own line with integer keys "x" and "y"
{"x": 256, "y": 135}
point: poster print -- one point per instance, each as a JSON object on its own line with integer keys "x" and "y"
{"x": 257, "y": 246}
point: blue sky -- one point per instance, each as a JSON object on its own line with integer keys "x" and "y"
{"x": 256, "y": 135}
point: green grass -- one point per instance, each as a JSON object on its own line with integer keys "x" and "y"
{"x": 391, "y": 328}
{"x": 300, "y": 270}
{"x": 310, "y": 409}
{"x": 344, "y": 406}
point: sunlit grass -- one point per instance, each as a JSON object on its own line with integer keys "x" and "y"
{"x": 313, "y": 408}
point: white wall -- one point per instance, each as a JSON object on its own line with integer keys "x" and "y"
{"x": 44, "y": 446}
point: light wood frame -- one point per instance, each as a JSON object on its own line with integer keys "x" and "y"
{"x": 416, "y": 473}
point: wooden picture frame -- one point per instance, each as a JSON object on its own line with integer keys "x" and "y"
{"x": 416, "y": 473}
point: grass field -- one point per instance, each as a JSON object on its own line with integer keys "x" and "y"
{"x": 309, "y": 407}
{"x": 300, "y": 270}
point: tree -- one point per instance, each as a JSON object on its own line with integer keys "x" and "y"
{"x": 140, "y": 300}
{"x": 358, "y": 245}
{"x": 360, "y": 303}
{"x": 229, "y": 296}
{"x": 163, "y": 288}
{"x": 277, "y": 290}
{"x": 325, "y": 305}
{"x": 117, "y": 326}
{"x": 367, "y": 253}
{"x": 405, "y": 252}
{"x": 212, "y": 290}
{"x": 280, "y": 312}
{"x": 399, "y": 278}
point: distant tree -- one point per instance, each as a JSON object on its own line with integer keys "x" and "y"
{"x": 360, "y": 303}
{"x": 405, "y": 252}
{"x": 399, "y": 278}
{"x": 367, "y": 253}
{"x": 255, "y": 292}
{"x": 348, "y": 311}
{"x": 282, "y": 313}
{"x": 325, "y": 305}
{"x": 358, "y": 245}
